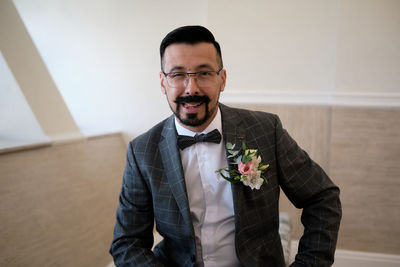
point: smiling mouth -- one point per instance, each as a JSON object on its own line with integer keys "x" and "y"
{"x": 192, "y": 104}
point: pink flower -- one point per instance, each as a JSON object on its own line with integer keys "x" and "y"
{"x": 246, "y": 169}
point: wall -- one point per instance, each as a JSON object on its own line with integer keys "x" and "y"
{"x": 326, "y": 57}
{"x": 59, "y": 208}
{"x": 103, "y": 55}
{"x": 311, "y": 52}
{"x": 14, "y": 117}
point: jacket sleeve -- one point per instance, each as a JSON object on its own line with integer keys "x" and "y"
{"x": 133, "y": 232}
{"x": 309, "y": 188}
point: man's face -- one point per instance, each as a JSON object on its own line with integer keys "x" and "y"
{"x": 196, "y": 112}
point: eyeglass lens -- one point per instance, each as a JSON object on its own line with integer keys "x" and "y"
{"x": 203, "y": 79}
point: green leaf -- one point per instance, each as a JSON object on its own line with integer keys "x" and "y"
{"x": 252, "y": 153}
{"x": 263, "y": 167}
{"x": 232, "y": 180}
{"x": 246, "y": 159}
{"x": 236, "y": 178}
{"x": 235, "y": 152}
{"x": 244, "y": 146}
{"x": 229, "y": 145}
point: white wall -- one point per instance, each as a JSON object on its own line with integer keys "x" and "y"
{"x": 368, "y": 47}
{"x": 277, "y": 45}
{"x": 33, "y": 80}
{"x": 103, "y": 55}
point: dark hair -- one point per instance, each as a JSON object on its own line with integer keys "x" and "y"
{"x": 189, "y": 35}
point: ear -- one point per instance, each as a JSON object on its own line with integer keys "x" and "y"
{"x": 223, "y": 79}
{"x": 162, "y": 82}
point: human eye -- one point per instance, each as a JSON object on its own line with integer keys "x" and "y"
{"x": 206, "y": 73}
{"x": 177, "y": 75}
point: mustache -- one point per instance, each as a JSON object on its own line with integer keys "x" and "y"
{"x": 192, "y": 98}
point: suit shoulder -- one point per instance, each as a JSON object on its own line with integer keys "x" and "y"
{"x": 150, "y": 138}
{"x": 252, "y": 116}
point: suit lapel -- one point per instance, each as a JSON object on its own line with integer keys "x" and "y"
{"x": 173, "y": 168}
{"x": 234, "y": 134}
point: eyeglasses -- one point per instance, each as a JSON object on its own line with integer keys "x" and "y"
{"x": 180, "y": 79}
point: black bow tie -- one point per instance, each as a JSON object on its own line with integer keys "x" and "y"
{"x": 185, "y": 141}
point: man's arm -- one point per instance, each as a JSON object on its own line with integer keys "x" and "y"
{"x": 133, "y": 232}
{"x": 309, "y": 188}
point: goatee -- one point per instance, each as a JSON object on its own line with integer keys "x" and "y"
{"x": 192, "y": 118}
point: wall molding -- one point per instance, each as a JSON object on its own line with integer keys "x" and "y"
{"x": 357, "y": 99}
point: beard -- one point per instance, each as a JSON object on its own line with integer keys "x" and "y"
{"x": 192, "y": 119}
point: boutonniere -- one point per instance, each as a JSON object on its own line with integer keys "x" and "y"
{"x": 248, "y": 168}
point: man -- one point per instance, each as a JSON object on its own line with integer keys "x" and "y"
{"x": 171, "y": 177}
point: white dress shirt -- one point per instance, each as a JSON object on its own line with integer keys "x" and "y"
{"x": 210, "y": 199}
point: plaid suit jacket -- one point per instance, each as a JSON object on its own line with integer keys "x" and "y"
{"x": 153, "y": 189}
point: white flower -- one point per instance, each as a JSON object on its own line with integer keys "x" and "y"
{"x": 257, "y": 162}
{"x": 253, "y": 180}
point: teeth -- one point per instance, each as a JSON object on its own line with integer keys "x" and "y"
{"x": 192, "y": 105}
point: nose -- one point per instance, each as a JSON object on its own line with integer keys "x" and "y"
{"x": 191, "y": 85}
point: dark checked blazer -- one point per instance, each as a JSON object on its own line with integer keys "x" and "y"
{"x": 153, "y": 189}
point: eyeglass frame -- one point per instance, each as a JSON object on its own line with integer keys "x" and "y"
{"x": 187, "y": 74}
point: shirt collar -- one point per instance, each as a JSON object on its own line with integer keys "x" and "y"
{"x": 216, "y": 123}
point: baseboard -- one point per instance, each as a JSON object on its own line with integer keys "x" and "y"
{"x": 349, "y": 258}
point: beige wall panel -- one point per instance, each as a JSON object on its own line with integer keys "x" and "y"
{"x": 310, "y": 127}
{"x": 57, "y": 204}
{"x": 365, "y": 163}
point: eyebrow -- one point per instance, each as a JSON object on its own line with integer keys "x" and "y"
{"x": 177, "y": 68}
{"x": 201, "y": 66}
